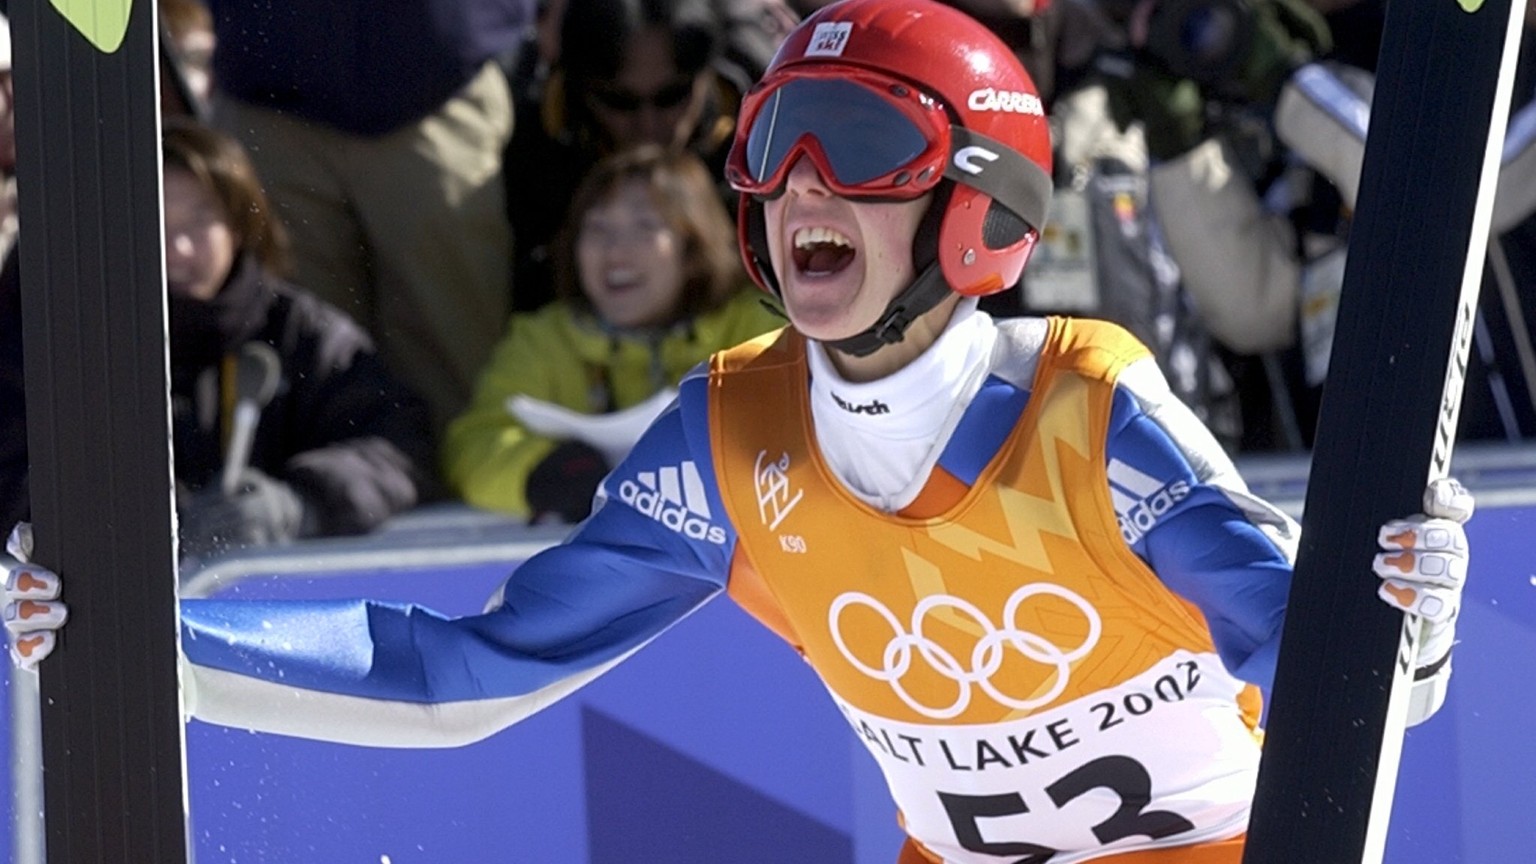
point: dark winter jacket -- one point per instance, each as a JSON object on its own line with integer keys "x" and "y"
{"x": 362, "y": 66}
{"x": 350, "y": 439}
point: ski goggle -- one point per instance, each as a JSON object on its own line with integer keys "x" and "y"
{"x": 869, "y": 136}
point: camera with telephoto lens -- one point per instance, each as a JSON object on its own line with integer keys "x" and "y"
{"x": 1203, "y": 40}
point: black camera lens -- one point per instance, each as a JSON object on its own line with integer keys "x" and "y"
{"x": 1208, "y": 35}
{"x": 1206, "y": 40}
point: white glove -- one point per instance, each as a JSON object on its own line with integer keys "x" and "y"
{"x": 1423, "y": 570}
{"x": 32, "y": 610}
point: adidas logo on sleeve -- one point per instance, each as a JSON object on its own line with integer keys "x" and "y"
{"x": 674, "y": 496}
{"x": 1140, "y": 499}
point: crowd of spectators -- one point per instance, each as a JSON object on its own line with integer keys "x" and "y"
{"x": 499, "y": 232}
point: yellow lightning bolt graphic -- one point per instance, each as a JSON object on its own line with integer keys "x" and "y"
{"x": 1026, "y": 515}
{"x": 1019, "y": 531}
{"x": 1064, "y": 422}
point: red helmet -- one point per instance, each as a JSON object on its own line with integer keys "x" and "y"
{"x": 888, "y": 98}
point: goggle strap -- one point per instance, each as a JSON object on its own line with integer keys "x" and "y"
{"x": 925, "y": 292}
{"x": 1001, "y": 172}
{"x": 757, "y": 244}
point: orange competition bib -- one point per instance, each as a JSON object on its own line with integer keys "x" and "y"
{"x": 1028, "y": 686}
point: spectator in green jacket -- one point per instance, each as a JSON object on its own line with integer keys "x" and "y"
{"x": 649, "y": 285}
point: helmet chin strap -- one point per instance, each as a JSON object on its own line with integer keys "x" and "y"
{"x": 926, "y": 291}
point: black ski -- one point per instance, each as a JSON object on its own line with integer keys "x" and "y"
{"x": 1387, "y": 424}
{"x": 93, "y": 293}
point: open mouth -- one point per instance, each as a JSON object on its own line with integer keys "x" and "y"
{"x": 821, "y": 251}
{"x": 621, "y": 279}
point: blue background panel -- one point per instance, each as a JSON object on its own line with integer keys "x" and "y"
{"x": 716, "y": 698}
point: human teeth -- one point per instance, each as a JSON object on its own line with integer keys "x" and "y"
{"x": 806, "y": 237}
{"x": 621, "y": 277}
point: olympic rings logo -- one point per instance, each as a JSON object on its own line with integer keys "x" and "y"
{"x": 986, "y": 657}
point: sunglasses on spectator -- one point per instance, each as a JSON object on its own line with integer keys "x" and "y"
{"x": 626, "y": 101}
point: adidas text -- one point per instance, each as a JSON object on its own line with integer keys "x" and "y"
{"x": 1140, "y": 518}
{"x": 674, "y": 515}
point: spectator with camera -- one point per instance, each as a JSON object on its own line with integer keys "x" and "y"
{"x": 1201, "y": 78}
{"x": 1101, "y": 253}
{"x": 1324, "y": 125}
{"x": 1244, "y": 110}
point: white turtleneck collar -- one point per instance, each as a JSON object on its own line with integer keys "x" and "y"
{"x": 882, "y": 438}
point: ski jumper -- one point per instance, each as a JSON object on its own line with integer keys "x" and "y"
{"x": 1043, "y": 650}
